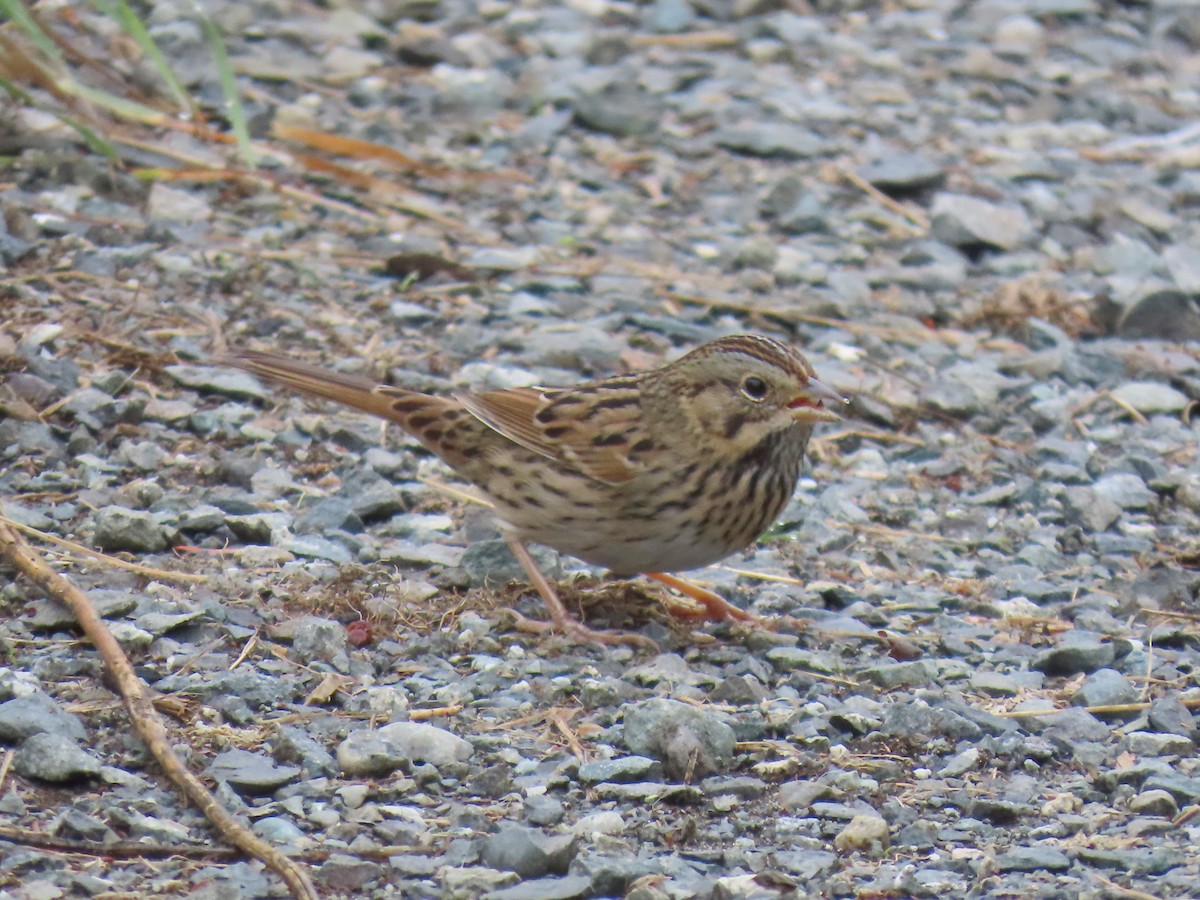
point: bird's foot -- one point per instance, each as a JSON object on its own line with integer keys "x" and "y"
{"x": 580, "y": 633}
{"x": 715, "y": 607}
{"x": 561, "y": 620}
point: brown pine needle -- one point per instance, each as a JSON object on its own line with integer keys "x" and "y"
{"x": 147, "y": 571}
{"x": 435, "y": 712}
{"x": 883, "y": 199}
{"x": 5, "y": 764}
{"x": 764, "y": 576}
{"x": 1113, "y": 709}
{"x": 453, "y": 491}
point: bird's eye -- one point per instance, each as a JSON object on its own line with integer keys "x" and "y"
{"x": 754, "y": 388}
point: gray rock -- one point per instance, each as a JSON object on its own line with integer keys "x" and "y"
{"x": 1133, "y": 860}
{"x": 1080, "y": 651}
{"x": 529, "y": 852}
{"x": 93, "y": 408}
{"x": 669, "y": 16}
{"x": 612, "y": 874}
{"x": 1105, "y": 687}
{"x": 1185, "y": 789}
{"x": 964, "y": 221}
{"x": 795, "y": 659}
{"x": 329, "y": 514}
{"x": 1018, "y": 36}
{"x": 771, "y": 140}
{"x": 491, "y": 564}
{"x": 1151, "y": 397}
{"x": 169, "y": 203}
{"x": 23, "y": 717}
{"x": 371, "y": 497}
{"x": 739, "y": 690}
{"x": 230, "y": 382}
{"x": 623, "y": 769}
{"x": 688, "y": 740}
{"x": 472, "y": 882}
{"x": 572, "y": 887}
{"x": 1090, "y": 510}
{"x": 314, "y": 638}
{"x": 960, "y": 763}
{"x": 1183, "y": 262}
{"x": 1073, "y": 726}
{"x": 995, "y": 684}
{"x": 1167, "y": 314}
{"x": 621, "y": 110}
{"x": 892, "y": 676}
{"x": 1169, "y": 714}
{"x": 203, "y": 518}
{"x": 412, "y": 865}
{"x": 50, "y": 615}
{"x": 386, "y": 749}
{"x": 311, "y": 546}
{"x": 1154, "y": 803}
{"x": 1033, "y": 859}
{"x": 1126, "y": 490}
{"x": 348, "y": 874}
{"x": 917, "y": 719}
{"x": 902, "y": 171}
{"x": 864, "y": 834}
{"x": 117, "y": 528}
{"x": 798, "y": 796}
{"x": 744, "y": 786}
{"x": 73, "y": 823}
{"x": 53, "y": 758}
{"x": 426, "y": 743}
{"x": 31, "y": 439}
{"x": 277, "y": 830}
{"x": 543, "y": 810}
{"x": 366, "y": 753}
{"x": 158, "y": 623}
{"x": 251, "y": 773}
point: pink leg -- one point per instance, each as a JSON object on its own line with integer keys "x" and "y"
{"x": 560, "y": 619}
{"x": 716, "y": 608}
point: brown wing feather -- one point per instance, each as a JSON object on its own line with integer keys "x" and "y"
{"x": 575, "y": 428}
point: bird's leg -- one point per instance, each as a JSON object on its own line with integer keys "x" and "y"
{"x": 716, "y": 607}
{"x": 560, "y": 619}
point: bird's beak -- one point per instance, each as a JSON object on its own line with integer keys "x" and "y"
{"x": 809, "y": 404}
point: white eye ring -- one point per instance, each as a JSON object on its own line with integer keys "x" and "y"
{"x": 754, "y": 388}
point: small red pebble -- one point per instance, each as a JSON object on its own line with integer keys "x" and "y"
{"x": 359, "y": 633}
{"x": 900, "y": 649}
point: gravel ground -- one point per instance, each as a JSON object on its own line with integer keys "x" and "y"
{"x": 980, "y": 219}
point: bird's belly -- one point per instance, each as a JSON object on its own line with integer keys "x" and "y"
{"x": 636, "y": 540}
{"x": 651, "y": 525}
{"x": 635, "y": 547}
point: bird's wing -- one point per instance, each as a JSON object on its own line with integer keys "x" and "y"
{"x": 597, "y": 433}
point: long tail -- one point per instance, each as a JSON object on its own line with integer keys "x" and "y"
{"x": 394, "y": 404}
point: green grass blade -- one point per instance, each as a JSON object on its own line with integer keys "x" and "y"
{"x": 93, "y": 140}
{"x": 233, "y": 103}
{"x": 121, "y": 12}
{"x": 126, "y": 109}
{"x": 16, "y": 11}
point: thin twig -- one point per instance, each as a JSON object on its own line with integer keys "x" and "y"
{"x": 136, "y": 850}
{"x": 1124, "y": 891}
{"x": 4, "y": 767}
{"x": 879, "y": 196}
{"x": 1113, "y": 709}
{"x": 147, "y": 571}
{"x": 435, "y": 712}
{"x": 141, "y": 710}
